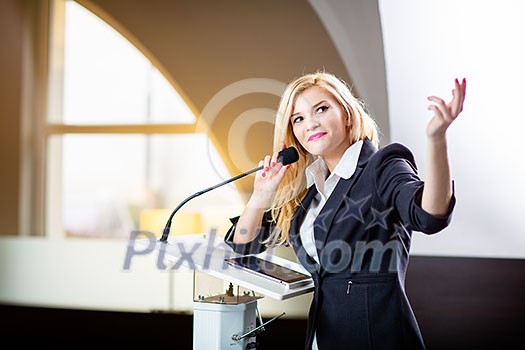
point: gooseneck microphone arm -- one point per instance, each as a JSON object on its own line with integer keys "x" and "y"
{"x": 286, "y": 156}
{"x": 167, "y": 228}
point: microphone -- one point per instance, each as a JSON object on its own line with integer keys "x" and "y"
{"x": 286, "y": 156}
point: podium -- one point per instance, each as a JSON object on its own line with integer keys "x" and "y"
{"x": 228, "y": 318}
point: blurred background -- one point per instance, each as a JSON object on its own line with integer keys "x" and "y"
{"x": 112, "y": 112}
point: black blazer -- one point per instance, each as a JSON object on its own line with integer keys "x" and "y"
{"x": 363, "y": 238}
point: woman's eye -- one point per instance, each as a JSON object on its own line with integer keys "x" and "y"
{"x": 322, "y": 109}
{"x": 297, "y": 119}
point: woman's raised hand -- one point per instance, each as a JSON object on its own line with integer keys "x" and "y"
{"x": 446, "y": 113}
{"x": 267, "y": 180}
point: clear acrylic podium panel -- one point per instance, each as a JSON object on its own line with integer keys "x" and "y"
{"x": 207, "y": 254}
{"x": 211, "y": 289}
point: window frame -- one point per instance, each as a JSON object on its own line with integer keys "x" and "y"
{"x": 45, "y": 208}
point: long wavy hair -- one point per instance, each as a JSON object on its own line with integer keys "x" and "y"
{"x": 292, "y": 188}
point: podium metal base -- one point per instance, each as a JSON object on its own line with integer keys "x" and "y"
{"x": 214, "y": 325}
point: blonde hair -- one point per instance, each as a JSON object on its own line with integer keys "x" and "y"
{"x": 292, "y": 188}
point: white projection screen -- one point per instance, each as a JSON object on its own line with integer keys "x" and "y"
{"x": 427, "y": 45}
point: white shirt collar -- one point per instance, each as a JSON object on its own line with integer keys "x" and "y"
{"x": 348, "y": 163}
{"x": 317, "y": 171}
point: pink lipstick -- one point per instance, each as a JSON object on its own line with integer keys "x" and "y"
{"x": 316, "y": 136}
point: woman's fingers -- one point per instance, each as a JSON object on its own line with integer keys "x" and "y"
{"x": 274, "y": 159}
{"x": 446, "y": 113}
{"x": 462, "y": 92}
{"x": 457, "y": 99}
{"x": 462, "y": 86}
{"x": 437, "y": 100}
{"x": 440, "y": 108}
{"x": 451, "y": 110}
{"x": 260, "y": 172}
{"x": 271, "y": 165}
{"x": 266, "y": 165}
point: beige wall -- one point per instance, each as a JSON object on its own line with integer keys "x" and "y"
{"x": 11, "y": 31}
{"x": 204, "y": 45}
{"x": 201, "y": 46}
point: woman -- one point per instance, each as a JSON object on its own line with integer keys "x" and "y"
{"x": 349, "y": 209}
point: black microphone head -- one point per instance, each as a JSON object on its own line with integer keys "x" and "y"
{"x": 288, "y": 156}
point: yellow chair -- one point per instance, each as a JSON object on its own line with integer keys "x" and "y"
{"x": 183, "y": 223}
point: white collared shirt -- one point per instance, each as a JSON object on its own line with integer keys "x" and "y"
{"x": 316, "y": 174}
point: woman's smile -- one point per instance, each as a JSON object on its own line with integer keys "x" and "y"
{"x": 320, "y": 125}
{"x": 316, "y": 136}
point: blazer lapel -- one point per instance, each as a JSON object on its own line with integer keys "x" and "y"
{"x": 301, "y": 210}
{"x": 324, "y": 220}
{"x": 295, "y": 224}
{"x": 298, "y": 217}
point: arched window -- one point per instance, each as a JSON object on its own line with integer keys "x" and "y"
{"x": 119, "y": 137}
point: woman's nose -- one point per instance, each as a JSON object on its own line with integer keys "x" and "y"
{"x": 311, "y": 123}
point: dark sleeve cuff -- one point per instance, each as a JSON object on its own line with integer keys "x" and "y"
{"x": 428, "y": 223}
{"x": 253, "y": 247}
